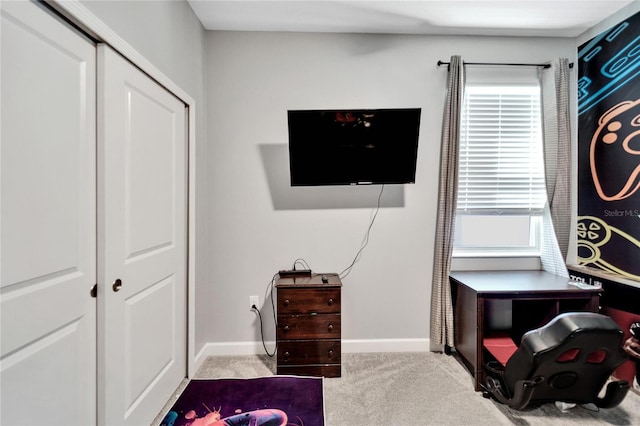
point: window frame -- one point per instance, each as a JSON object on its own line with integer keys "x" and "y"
{"x": 533, "y": 247}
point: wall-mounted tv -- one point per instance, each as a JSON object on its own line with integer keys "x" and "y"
{"x": 353, "y": 147}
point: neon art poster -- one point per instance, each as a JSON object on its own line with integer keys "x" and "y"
{"x": 609, "y": 150}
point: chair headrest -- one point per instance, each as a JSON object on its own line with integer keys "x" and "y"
{"x": 574, "y": 325}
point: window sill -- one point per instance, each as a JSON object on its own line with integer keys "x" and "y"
{"x": 466, "y": 254}
{"x": 495, "y": 263}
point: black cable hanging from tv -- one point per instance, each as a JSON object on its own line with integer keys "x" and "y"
{"x": 501, "y": 64}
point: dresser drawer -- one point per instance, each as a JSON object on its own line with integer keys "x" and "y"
{"x": 324, "y": 326}
{"x": 309, "y": 352}
{"x": 307, "y": 300}
{"x": 319, "y": 370}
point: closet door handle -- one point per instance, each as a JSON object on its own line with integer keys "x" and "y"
{"x": 117, "y": 284}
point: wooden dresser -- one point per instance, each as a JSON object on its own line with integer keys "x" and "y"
{"x": 308, "y": 334}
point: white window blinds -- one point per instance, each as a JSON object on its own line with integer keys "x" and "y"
{"x": 501, "y": 162}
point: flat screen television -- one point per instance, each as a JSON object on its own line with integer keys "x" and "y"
{"x": 353, "y": 147}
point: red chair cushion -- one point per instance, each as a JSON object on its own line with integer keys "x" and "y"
{"x": 501, "y": 346}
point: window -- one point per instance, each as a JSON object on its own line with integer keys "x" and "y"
{"x": 501, "y": 188}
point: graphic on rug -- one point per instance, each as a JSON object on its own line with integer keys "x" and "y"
{"x": 266, "y": 401}
{"x": 257, "y": 417}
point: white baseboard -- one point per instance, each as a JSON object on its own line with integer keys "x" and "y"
{"x": 348, "y": 346}
{"x": 230, "y": 349}
{"x": 385, "y": 345}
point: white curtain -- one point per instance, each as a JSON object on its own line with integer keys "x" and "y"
{"x": 441, "y": 305}
{"x": 554, "y": 82}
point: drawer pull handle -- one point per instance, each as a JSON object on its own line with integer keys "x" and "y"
{"x": 286, "y": 302}
{"x": 286, "y": 354}
{"x": 286, "y": 328}
{"x": 330, "y": 327}
{"x": 330, "y": 302}
{"x": 330, "y": 353}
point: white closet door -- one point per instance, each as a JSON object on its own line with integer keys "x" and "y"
{"x": 142, "y": 242}
{"x": 47, "y": 220}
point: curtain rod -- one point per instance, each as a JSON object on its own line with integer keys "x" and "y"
{"x": 440, "y": 63}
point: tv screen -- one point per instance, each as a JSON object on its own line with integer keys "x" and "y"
{"x": 353, "y": 147}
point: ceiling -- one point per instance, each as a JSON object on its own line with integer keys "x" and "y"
{"x": 557, "y": 18}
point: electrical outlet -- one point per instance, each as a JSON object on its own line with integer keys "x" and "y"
{"x": 254, "y": 301}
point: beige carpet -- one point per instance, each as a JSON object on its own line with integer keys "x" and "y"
{"x": 420, "y": 388}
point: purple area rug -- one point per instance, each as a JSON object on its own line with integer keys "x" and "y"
{"x": 264, "y": 401}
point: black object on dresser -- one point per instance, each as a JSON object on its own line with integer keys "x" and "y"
{"x": 309, "y": 319}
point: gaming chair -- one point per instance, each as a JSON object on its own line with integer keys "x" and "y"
{"x": 569, "y": 360}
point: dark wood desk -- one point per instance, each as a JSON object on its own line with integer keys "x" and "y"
{"x": 523, "y": 299}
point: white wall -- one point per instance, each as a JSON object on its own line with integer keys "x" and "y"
{"x": 631, "y": 9}
{"x": 250, "y": 224}
{"x": 257, "y": 225}
{"x": 170, "y": 36}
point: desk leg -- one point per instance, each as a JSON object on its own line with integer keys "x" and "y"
{"x": 469, "y": 313}
{"x": 479, "y": 367}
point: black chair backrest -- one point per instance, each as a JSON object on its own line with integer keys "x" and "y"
{"x": 574, "y": 355}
